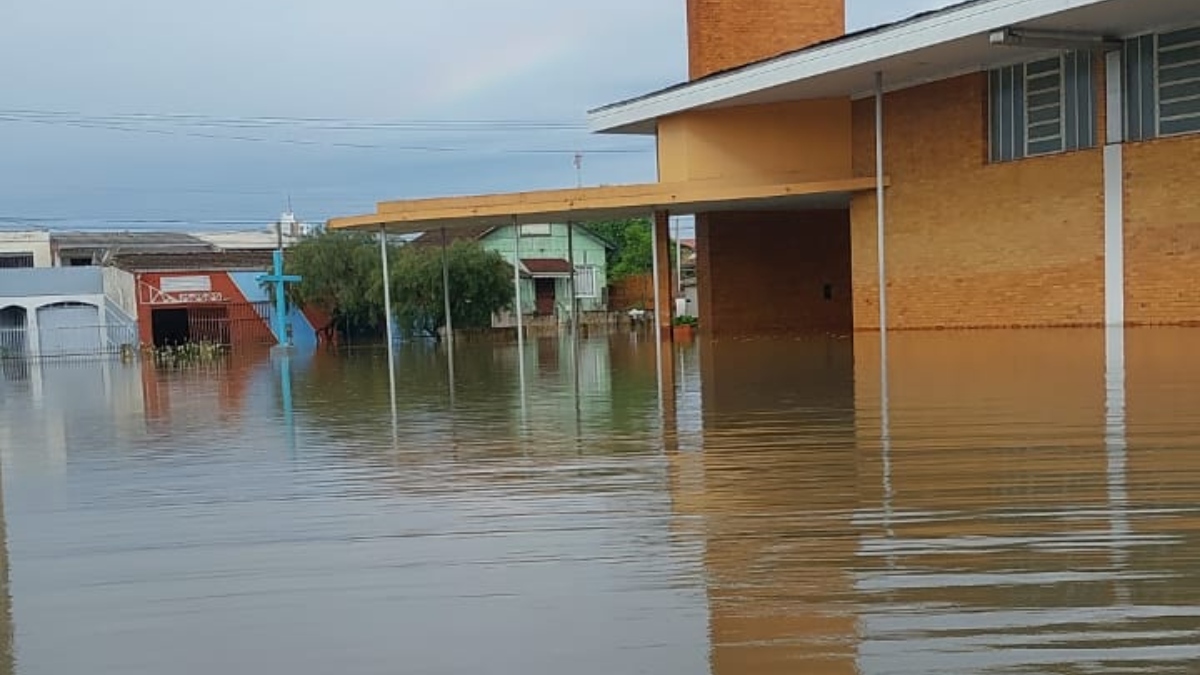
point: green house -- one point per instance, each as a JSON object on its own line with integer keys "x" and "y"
{"x": 546, "y": 268}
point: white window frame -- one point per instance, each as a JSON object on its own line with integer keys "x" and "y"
{"x": 537, "y": 230}
{"x": 1061, "y": 72}
{"x": 591, "y": 289}
{"x": 1158, "y": 87}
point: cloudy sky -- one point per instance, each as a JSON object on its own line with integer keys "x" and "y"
{"x": 152, "y": 113}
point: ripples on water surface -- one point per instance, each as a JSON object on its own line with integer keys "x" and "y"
{"x": 1009, "y": 502}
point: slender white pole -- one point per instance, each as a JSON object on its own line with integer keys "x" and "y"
{"x": 885, "y": 405}
{"x": 881, "y": 212}
{"x": 517, "y": 285}
{"x": 446, "y": 291}
{"x": 678, "y": 261}
{"x": 517, "y": 309}
{"x": 387, "y": 319}
{"x": 574, "y": 292}
{"x": 449, "y": 317}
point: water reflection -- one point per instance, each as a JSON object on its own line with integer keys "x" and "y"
{"x": 1010, "y": 502}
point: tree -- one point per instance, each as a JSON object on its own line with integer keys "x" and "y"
{"x": 632, "y": 251}
{"x": 341, "y": 275}
{"x": 480, "y": 285}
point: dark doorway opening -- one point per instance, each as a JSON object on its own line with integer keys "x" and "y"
{"x": 170, "y": 327}
{"x": 544, "y": 296}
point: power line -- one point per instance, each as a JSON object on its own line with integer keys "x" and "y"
{"x": 206, "y": 127}
{"x": 326, "y": 123}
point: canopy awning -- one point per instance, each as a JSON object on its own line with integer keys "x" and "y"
{"x": 592, "y": 204}
{"x": 547, "y": 268}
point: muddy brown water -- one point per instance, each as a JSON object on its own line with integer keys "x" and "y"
{"x": 990, "y": 502}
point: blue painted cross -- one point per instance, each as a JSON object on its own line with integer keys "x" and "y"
{"x": 279, "y": 279}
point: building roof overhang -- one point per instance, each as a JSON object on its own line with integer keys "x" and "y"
{"x": 594, "y": 204}
{"x": 925, "y": 48}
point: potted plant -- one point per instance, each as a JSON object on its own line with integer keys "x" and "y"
{"x": 684, "y": 328}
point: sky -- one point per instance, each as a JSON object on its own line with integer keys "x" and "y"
{"x": 144, "y": 114}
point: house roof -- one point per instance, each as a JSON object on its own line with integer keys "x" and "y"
{"x": 926, "y": 47}
{"x": 546, "y": 267}
{"x": 129, "y": 242}
{"x": 222, "y": 261}
{"x": 433, "y": 238}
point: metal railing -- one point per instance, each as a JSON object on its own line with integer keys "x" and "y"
{"x": 85, "y": 341}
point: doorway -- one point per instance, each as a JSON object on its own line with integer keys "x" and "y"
{"x": 170, "y": 327}
{"x": 544, "y": 296}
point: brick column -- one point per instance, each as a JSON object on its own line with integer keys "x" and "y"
{"x": 665, "y": 281}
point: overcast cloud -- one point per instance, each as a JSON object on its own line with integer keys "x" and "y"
{"x": 226, "y": 62}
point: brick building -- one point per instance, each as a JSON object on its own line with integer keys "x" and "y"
{"x": 1035, "y": 160}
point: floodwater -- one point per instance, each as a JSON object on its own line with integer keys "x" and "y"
{"x": 988, "y": 502}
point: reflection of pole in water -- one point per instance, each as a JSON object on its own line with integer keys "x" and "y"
{"x": 7, "y": 661}
{"x": 285, "y": 388}
{"x": 1116, "y": 448}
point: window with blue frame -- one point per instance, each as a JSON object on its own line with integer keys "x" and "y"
{"x": 1042, "y": 107}
{"x": 1162, "y": 85}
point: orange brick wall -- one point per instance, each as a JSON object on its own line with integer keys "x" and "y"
{"x": 970, "y": 243}
{"x": 765, "y": 273}
{"x": 1162, "y": 231}
{"x": 724, "y": 34}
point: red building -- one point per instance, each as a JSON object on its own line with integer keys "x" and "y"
{"x": 201, "y": 297}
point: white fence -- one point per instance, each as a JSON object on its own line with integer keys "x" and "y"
{"x": 17, "y": 342}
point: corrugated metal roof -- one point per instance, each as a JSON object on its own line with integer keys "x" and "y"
{"x": 223, "y": 261}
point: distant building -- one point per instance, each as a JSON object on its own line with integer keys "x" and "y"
{"x": 86, "y": 293}
{"x": 546, "y": 269}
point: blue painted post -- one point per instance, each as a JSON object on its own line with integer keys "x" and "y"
{"x": 279, "y": 279}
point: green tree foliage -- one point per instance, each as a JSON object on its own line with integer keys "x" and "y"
{"x": 633, "y": 252}
{"x": 341, "y": 275}
{"x": 480, "y": 284}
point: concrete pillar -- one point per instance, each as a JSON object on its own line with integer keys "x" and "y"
{"x": 664, "y": 287}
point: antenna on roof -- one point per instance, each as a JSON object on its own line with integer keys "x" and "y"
{"x": 578, "y": 169}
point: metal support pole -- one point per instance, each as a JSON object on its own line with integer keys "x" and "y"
{"x": 678, "y": 261}
{"x": 449, "y": 315}
{"x": 881, "y": 213}
{"x": 574, "y": 290}
{"x": 387, "y": 316}
{"x": 517, "y": 310}
{"x": 446, "y": 291}
{"x": 517, "y": 285}
{"x": 885, "y": 423}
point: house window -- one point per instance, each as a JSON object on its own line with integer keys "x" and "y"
{"x": 585, "y": 281}
{"x": 15, "y": 260}
{"x": 535, "y": 231}
{"x": 1162, "y": 85}
{"x": 1042, "y": 107}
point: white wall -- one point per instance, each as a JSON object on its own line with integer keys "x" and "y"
{"x": 121, "y": 287}
{"x": 37, "y": 243}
